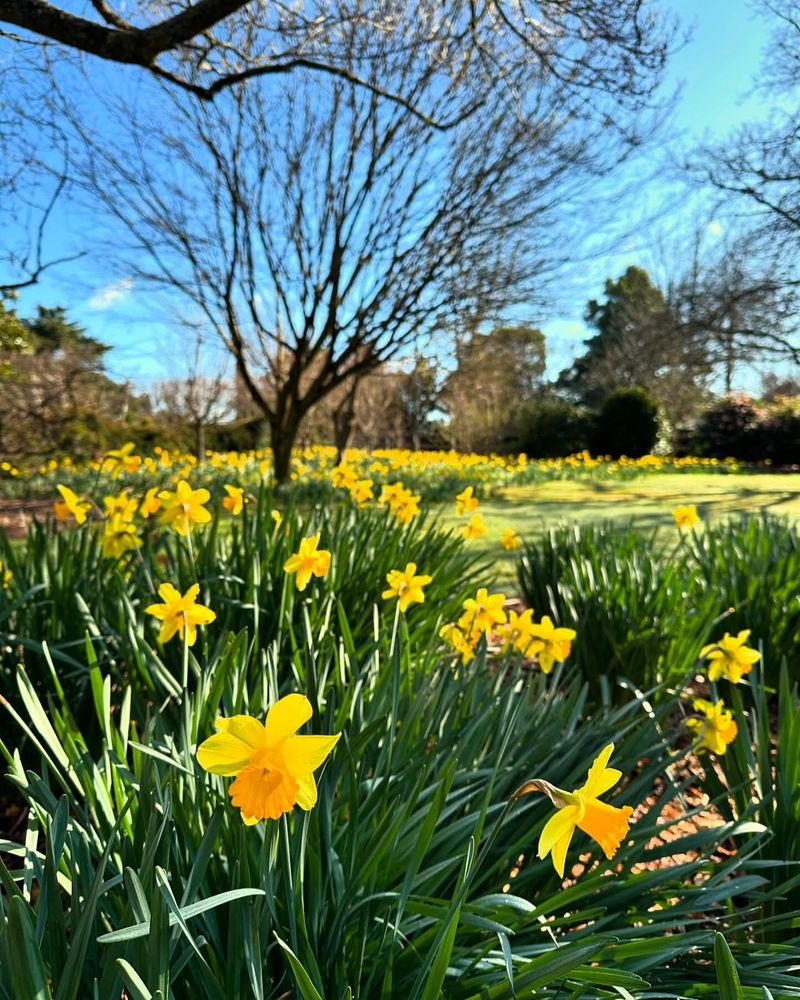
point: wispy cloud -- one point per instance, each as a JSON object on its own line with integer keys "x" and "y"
{"x": 109, "y": 294}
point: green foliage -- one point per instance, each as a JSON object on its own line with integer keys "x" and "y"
{"x": 627, "y": 424}
{"x": 766, "y": 770}
{"x": 415, "y": 875}
{"x": 636, "y": 614}
{"x": 392, "y": 885}
{"x": 644, "y": 613}
{"x": 63, "y": 587}
{"x": 550, "y": 428}
{"x": 752, "y": 564}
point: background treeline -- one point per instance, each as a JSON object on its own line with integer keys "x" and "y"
{"x": 646, "y": 380}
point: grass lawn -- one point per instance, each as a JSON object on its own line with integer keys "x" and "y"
{"x": 646, "y": 503}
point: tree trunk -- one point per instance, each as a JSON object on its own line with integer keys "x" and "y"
{"x": 200, "y": 440}
{"x": 343, "y": 421}
{"x": 283, "y": 434}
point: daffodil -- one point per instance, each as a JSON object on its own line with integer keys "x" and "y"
{"x": 466, "y": 502}
{"x": 482, "y": 612}
{"x": 686, "y": 516}
{"x": 510, "y": 540}
{"x": 551, "y": 644}
{"x": 183, "y": 508}
{"x": 407, "y": 507}
{"x": 517, "y": 632}
{"x": 308, "y": 561}
{"x": 121, "y": 460}
{"x": 179, "y": 612}
{"x": 730, "y": 657}
{"x": 71, "y": 505}
{"x": 6, "y": 576}
{"x": 272, "y": 765}
{"x": 716, "y": 728}
{"x": 119, "y": 536}
{"x": 582, "y": 808}
{"x": 475, "y": 528}
{"x": 277, "y": 517}
{"x": 122, "y": 505}
{"x": 234, "y": 501}
{"x": 406, "y": 586}
{"x": 361, "y": 491}
{"x": 150, "y": 504}
{"x": 459, "y": 641}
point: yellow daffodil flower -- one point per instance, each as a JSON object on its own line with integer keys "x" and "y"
{"x": 552, "y": 644}
{"x": 150, "y": 504}
{"x": 582, "y": 808}
{"x": 686, "y": 516}
{"x": 277, "y": 517}
{"x": 717, "y": 727}
{"x": 476, "y": 528}
{"x": 273, "y": 766}
{"x": 119, "y": 536}
{"x": 121, "y": 505}
{"x": 183, "y": 508}
{"x": 234, "y": 501}
{"x": 517, "y": 633}
{"x": 730, "y": 657}
{"x": 308, "y": 561}
{"x": 121, "y": 460}
{"x": 460, "y": 642}
{"x": 180, "y": 612}
{"x": 406, "y": 586}
{"x": 482, "y": 612}
{"x": 6, "y": 576}
{"x": 71, "y": 505}
{"x": 466, "y": 502}
{"x": 343, "y": 476}
{"x": 510, "y": 540}
{"x": 361, "y": 491}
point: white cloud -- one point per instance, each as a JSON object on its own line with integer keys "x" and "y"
{"x": 109, "y": 294}
{"x": 714, "y": 229}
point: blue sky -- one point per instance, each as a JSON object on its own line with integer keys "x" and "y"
{"x": 715, "y": 69}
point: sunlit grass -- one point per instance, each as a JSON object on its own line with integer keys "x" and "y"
{"x": 645, "y": 502}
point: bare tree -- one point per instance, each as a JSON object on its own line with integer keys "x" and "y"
{"x": 197, "y": 398}
{"x": 742, "y": 301}
{"x": 321, "y": 229}
{"x": 28, "y": 196}
{"x": 207, "y": 46}
{"x": 760, "y": 163}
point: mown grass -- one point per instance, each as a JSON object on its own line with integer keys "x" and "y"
{"x": 645, "y": 502}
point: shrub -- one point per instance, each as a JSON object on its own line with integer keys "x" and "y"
{"x": 729, "y": 429}
{"x": 550, "y": 428}
{"x": 779, "y": 434}
{"x": 627, "y": 424}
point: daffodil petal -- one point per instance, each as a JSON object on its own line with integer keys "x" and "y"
{"x": 600, "y": 778}
{"x": 306, "y": 792}
{"x": 286, "y": 716}
{"x": 557, "y": 827}
{"x": 304, "y": 754}
{"x": 223, "y": 754}
{"x": 559, "y": 854}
